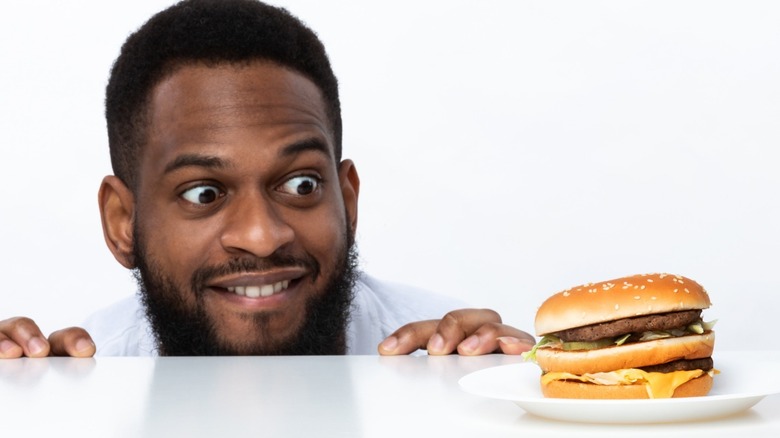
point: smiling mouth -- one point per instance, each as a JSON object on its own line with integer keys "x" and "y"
{"x": 256, "y": 291}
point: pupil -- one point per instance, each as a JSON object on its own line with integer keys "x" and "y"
{"x": 207, "y": 196}
{"x": 305, "y": 187}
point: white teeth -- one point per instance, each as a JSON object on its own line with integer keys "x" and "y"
{"x": 252, "y": 291}
{"x": 265, "y": 290}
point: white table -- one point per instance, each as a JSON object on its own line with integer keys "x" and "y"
{"x": 361, "y": 396}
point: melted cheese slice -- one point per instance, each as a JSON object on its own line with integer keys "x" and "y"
{"x": 658, "y": 385}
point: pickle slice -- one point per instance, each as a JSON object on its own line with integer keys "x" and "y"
{"x": 591, "y": 345}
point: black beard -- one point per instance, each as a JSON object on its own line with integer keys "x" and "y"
{"x": 180, "y": 331}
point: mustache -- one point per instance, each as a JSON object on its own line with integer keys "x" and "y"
{"x": 246, "y": 265}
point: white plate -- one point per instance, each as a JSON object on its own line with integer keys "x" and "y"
{"x": 743, "y": 381}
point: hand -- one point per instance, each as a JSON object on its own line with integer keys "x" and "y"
{"x": 21, "y": 337}
{"x": 470, "y": 332}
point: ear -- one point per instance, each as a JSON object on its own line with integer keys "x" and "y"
{"x": 117, "y": 212}
{"x": 350, "y": 188}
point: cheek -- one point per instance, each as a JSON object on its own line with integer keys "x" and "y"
{"x": 321, "y": 233}
{"x": 177, "y": 244}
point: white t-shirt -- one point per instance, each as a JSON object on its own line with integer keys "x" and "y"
{"x": 379, "y": 309}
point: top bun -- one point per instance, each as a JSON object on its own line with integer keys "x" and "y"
{"x": 626, "y": 297}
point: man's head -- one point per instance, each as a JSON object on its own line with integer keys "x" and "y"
{"x": 230, "y": 199}
{"x": 207, "y": 32}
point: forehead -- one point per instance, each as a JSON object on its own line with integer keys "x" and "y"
{"x": 200, "y": 104}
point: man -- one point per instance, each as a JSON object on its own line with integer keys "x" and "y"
{"x": 233, "y": 206}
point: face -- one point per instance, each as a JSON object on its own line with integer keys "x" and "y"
{"x": 242, "y": 221}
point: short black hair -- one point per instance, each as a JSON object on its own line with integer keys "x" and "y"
{"x": 209, "y": 32}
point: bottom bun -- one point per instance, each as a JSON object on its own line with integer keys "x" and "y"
{"x": 573, "y": 389}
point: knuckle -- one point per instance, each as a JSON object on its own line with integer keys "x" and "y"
{"x": 67, "y": 335}
{"x": 491, "y": 328}
{"x": 492, "y": 315}
{"x": 416, "y": 333}
{"x": 408, "y": 330}
{"x": 73, "y": 331}
{"x": 20, "y": 323}
{"x": 452, "y": 318}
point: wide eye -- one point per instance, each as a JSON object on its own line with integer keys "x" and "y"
{"x": 301, "y": 185}
{"x": 202, "y": 195}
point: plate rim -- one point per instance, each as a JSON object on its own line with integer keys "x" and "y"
{"x": 743, "y": 400}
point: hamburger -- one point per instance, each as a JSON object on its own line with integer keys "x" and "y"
{"x": 634, "y": 337}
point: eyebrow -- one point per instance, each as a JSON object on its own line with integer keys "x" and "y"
{"x": 309, "y": 144}
{"x": 195, "y": 160}
{"x": 212, "y": 162}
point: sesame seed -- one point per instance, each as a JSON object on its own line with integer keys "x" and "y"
{"x": 675, "y": 291}
{"x": 687, "y": 291}
{"x": 653, "y": 298}
{"x": 617, "y": 306}
{"x": 566, "y": 293}
{"x": 642, "y": 286}
{"x": 637, "y": 297}
{"x": 649, "y": 280}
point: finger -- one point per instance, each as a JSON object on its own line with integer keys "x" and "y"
{"x": 72, "y": 341}
{"x": 26, "y": 335}
{"x": 9, "y": 349}
{"x": 460, "y": 326}
{"x": 512, "y": 345}
{"x": 409, "y": 338}
{"x": 495, "y": 337}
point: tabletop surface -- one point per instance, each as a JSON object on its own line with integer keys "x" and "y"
{"x": 361, "y": 396}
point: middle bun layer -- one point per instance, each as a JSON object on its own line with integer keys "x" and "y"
{"x": 635, "y": 355}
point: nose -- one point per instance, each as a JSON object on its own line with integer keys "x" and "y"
{"x": 254, "y": 225}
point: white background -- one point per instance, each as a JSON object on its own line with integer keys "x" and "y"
{"x": 507, "y": 150}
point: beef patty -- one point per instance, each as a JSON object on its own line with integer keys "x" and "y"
{"x": 681, "y": 365}
{"x": 638, "y": 324}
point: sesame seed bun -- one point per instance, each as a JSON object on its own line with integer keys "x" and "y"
{"x": 625, "y": 297}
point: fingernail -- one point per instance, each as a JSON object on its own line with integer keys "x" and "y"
{"x": 435, "y": 344}
{"x": 508, "y": 340}
{"x": 36, "y": 345}
{"x": 389, "y": 344}
{"x": 470, "y": 344}
{"x": 84, "y": 344}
